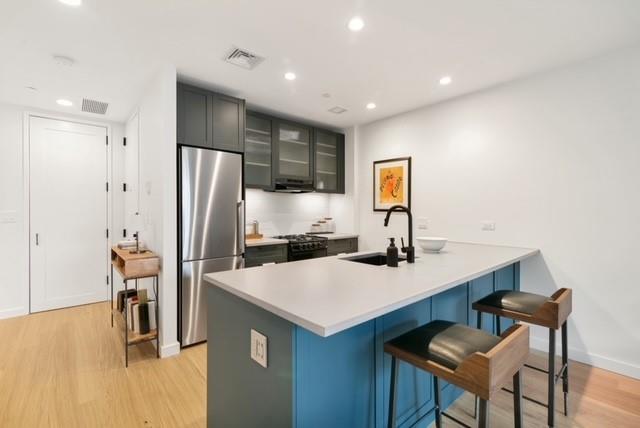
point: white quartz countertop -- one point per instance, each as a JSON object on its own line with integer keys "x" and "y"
{"x": 328, "y": 295}
{"x": 264, "y": 241}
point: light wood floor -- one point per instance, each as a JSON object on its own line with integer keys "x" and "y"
{"x": 65, "y": 369}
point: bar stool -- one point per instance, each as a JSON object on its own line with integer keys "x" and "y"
{"x": 472, "y": 359}
{"x": 551, "y": 312}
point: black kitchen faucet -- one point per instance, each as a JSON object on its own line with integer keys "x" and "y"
{"x": 410, "y": 251}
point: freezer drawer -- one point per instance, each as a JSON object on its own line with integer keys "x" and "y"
{"x": 193, "y": 296}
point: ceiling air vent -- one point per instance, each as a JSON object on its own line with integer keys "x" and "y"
{"x": 337, "y": 110}
{"x": 244, "y": 59}
{"x": 93, "y": 106}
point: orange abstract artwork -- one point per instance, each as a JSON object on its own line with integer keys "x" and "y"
{"x": 391, "y": 189}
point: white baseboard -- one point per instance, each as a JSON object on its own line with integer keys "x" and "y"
{"x": 13, "y": 312}
{"x": 594, "y": 360}
{"x": 170, "y": 349}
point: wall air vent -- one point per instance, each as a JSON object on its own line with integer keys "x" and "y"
{"x": 337, "y": 110}
{"x": 242, "y": 58}
{"x": 93, "y": 106}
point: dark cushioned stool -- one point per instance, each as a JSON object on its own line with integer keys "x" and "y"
{"x": 472, "y": 359}
{"x": 551, "y": 312}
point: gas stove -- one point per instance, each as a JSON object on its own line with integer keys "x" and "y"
{"x": 303, "y": 247}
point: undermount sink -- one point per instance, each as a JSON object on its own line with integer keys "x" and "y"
{"x": 375, "y": 259}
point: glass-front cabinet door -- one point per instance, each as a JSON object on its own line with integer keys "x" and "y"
{"x": 329, "y": 161}
{"x": 294, "y": 157}
{"x": 257, "y": 162}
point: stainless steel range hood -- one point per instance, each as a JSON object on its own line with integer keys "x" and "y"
{"x": 291, "y": 185}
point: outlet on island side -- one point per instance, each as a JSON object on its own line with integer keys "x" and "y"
{"x": 488, "y": 225}
{"x": 259, "y": 348}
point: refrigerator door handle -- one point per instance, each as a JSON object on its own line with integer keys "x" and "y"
{"x": 241, "y": 226}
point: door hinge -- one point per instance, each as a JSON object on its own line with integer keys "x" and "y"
{"x": 107, "y": 279}
{"x": 107, "y": 185}
{"x": 124, "y": 187}
{"x": 124, "y": 141}
{"x": 107, "y": 233}
{"x": 107, "y": 139}
{"x": 124, "y": 233}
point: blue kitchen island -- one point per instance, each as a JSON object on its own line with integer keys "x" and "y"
{"x": 325, "y": 322}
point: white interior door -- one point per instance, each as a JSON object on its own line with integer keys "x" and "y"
{"x": 131, "y": 174}
{"x": 68, "y": 213}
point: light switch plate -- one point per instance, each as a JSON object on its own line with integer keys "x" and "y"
{"x": 259, "y": 348}
{"x": 488, "y": 226}
{"x": 423, "y": 223}
{"x": 8, "y": 217}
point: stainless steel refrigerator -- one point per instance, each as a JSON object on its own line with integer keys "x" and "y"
{"x": 211, "y": 230}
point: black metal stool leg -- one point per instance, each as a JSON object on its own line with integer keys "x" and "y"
{"x": 517, "y": 399}
{"x": 552, "y": 377}
{"x": 392, "y": 393}
{"x": 498, "y": 330}
{"x": 483, "y": 422}
{"x": 436, "y": 395}
{"x": 475, "y": 405}
{"x": 565, "y": 364}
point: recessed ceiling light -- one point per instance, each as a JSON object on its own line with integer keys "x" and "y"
{"x": 71, "y": 2}
{"x": 63, "y": 102}
{"x": 371, "y": 106}
{"x": 290, "y": 76}
{"x": 355, "y": 24}
{"x": 444, "y": 81}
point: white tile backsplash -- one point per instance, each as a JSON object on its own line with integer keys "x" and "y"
{"x": 282, "y": 213}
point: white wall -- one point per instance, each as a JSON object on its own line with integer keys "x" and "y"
{"x": 553, "y": 160}
{"x": 14, "y": 282}
{"x": 158, "y": 201}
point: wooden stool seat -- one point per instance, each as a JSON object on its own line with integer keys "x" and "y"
{"x": 444, "y": 342}
{"x": 471, "y": 359}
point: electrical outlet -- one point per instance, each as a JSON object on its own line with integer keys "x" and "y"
{"x": 259, "y": 348}
{"x": 489, "y": 226}
{"x": 423, "y": 223}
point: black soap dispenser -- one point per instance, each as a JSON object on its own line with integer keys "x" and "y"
{"x": 392, "y": 253}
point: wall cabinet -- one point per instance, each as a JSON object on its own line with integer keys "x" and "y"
{"x": 293, "y": 154}
{"x": 258, "y": 148}
{"x": 278, "y": 148}
{"x": 210, "y": 120}
{"x": 328, "y": 161}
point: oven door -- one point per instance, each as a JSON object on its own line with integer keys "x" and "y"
{"x": 309, "y": 254}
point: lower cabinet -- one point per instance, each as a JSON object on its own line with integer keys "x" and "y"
{"x": 257, "y": 256}
{"x": 337, "y": 246}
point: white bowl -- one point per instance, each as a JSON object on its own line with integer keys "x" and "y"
{"x": 431, "y": 244}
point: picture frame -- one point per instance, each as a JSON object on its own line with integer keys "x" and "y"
{"x": 391, "y": 183}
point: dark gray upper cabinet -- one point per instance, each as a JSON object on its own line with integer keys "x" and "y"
{"x": 329, "y": 161}
{"x": 211, "y": 120}
{"x": 278, "y": 148}
{"x": 228, "y": 123}
{"x": 257, "y": 155}
{"x": 195, "y": 114}
{"x": 292, "y": 150}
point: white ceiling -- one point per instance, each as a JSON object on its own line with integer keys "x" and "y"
{"x": 395, "y": 61}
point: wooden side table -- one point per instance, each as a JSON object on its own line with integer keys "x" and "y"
{"x": 133, "y": 266}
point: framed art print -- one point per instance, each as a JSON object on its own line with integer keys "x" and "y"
{"x": 391, "y": 183}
